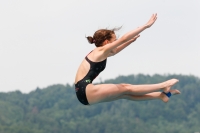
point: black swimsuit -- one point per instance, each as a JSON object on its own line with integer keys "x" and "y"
{"x": 80, "y": 86}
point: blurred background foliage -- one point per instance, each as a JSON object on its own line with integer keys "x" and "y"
{"x": 55, "y": 109}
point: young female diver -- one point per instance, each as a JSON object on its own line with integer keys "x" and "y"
{"x": 95, "y": 62}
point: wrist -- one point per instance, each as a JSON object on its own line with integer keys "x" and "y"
{"x": 146, "y": 26}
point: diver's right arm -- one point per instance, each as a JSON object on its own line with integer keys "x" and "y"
{"x": 129, "y": 35}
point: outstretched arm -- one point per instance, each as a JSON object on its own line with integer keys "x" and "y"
{"x": 124, "y": 45}
{"x": 130, "y": 35}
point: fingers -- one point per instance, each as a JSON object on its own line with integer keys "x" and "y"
{"x": 135, "y": 37}
{"x": 152, "y": 20}
{"x": 154, "y": 16}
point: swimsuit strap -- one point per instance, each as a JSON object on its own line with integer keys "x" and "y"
{"x": 88, "y": 59}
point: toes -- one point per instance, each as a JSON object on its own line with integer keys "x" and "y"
{"x": 169, "y": 84}
{"x": 175, "y": 92}
{"x": 174, "y": 81}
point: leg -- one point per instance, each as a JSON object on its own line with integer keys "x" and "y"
{"x": 143, "y": 89}
{"x": 108, "y": 92}
{"x": 150, "y": 96}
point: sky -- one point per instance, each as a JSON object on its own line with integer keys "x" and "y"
{"x": 42, "y": 42}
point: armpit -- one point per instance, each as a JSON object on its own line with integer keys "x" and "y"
{"x": 112, "y": 52}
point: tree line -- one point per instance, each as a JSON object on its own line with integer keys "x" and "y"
{"x": 55, "y": 109}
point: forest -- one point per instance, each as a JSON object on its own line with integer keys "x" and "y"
{"x": 55, "y": 109}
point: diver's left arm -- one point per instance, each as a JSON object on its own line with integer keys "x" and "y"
{"x": 124, "y": 45}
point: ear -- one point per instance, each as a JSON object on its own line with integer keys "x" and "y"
{"x": 105, "y": 42}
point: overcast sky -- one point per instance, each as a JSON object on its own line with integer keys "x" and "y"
{"x": 42, "y": 42}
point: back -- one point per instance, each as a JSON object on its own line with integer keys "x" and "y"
{"x": 89, "y": 69}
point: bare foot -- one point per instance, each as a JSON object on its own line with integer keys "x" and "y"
{"x": 168, "y": 84}
{"x": 165, "y": 98}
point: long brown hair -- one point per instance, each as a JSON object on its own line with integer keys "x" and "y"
{"x": 101, "y": 35}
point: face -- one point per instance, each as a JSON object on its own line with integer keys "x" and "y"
{"x": 111, "y": 40}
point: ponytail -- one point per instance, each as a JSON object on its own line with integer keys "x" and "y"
{"x": 90, "y": 40}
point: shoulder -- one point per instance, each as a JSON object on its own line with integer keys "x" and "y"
{"x": 98, "y": 54}
{"x": 107, "y": 52}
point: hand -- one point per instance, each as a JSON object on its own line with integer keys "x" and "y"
{"x": 135, "y": 38}
{"x": 151, "y": 21}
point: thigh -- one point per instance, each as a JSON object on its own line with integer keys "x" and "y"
{"x": 104, "y": 92}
